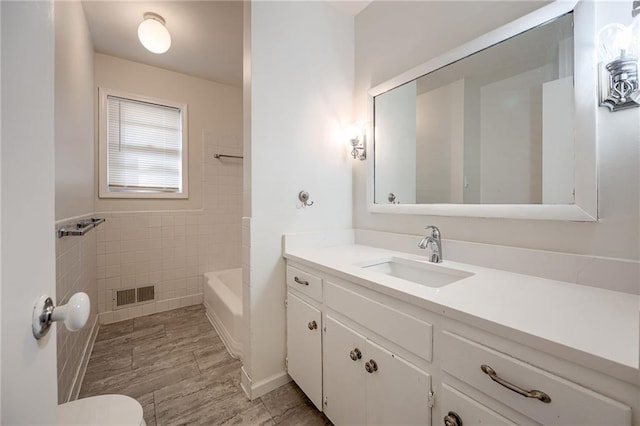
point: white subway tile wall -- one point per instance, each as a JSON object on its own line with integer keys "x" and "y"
{"x": 75, "y": 271}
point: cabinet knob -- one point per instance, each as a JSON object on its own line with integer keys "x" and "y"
{"x": 355, "y": 354}
{"x": 452, "y": 419}
{"x": 371, "y": 366}
{"x": 312, "y": 325}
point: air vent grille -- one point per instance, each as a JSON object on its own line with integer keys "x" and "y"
{"x": 146, "y": 293}
{"x": 132, "y": 296}
{"x": 125, "y": 297}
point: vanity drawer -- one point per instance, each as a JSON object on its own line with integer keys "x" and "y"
{"x": 406, "y": 331}
{"x": 471, "y": 412}
{"x": 570, "y": 403}
{"x": 304, "y": 282}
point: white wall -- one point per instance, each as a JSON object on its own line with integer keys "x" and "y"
{"x": 396, "y": 141}
{"x": 511, "y": 139}
{"x": 75, "y": 256}
{"x": 557, "y": 137}
{"x": 392, "y": 37}
{"x": 29, "y": 391}
{"x": 74, "y": 111}
{"x": 301, "y": 96}
{"x": 213, "y": 107}
{"x": 440, "y": 144}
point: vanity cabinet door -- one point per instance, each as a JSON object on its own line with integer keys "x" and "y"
{"x": 344, "y": 381}
{"x": 304, "y": 347}
{"x": 396, "y": 391}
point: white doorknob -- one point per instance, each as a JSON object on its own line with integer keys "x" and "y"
{"x": 74, "y": 314}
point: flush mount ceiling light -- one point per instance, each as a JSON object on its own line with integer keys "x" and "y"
{"x": 152, "y": 33}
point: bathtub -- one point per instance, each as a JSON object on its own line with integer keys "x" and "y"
{"x": 223, "y": 303}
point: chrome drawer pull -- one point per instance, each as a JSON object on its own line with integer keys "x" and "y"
{"x": 539, "y": 395}
{"x": 299, "y": 281}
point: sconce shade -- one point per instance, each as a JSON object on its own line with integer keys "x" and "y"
{"x": 153, "y": 35}
{"x": 614, "y": 41}
{"x": 619, "y": 49}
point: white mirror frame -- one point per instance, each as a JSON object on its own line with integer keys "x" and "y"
{"x": 585, "y": 207}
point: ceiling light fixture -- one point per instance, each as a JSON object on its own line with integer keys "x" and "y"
{"x": 152, "y": 33}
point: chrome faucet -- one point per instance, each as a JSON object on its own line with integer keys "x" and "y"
{"x": 433, "y": 243}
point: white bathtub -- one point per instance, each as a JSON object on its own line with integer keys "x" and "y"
{"x": 223, "y": 303}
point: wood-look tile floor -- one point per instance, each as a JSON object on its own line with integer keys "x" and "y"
{"x": 176, "y": 366}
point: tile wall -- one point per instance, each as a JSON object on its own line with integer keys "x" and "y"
{"x": 172, "y": 249}
{"x": 75, "y": 271}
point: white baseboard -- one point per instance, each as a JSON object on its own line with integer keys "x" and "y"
{"x": 245, "y": 382}
{"x": 267, "y": 385}
{"x": 82, "y": 368}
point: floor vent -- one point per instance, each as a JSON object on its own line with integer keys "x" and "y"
{"x": 133, "y": 296}
{"x": 146, "y": 293}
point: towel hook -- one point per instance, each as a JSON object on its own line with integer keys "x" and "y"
{"x": 303, "y": 196}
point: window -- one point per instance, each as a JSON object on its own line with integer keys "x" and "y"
{"x": 143, "y": 147}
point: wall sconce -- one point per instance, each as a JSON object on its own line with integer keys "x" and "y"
{"x": 619, "y": 45}
{"x": 358, "y": 142}
{"x": 152, "y": 33}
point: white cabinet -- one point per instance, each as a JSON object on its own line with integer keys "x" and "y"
{"x": 367, "y": 358}
{"x": 397, "y": 393}
{"x": 304, "y": 347}
{"x": 540, "y": 396}
{"x": 365, "y": 383}
{"x": 344, "y": 380}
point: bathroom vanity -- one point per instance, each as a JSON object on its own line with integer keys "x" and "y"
{"x": 376, "y": 336}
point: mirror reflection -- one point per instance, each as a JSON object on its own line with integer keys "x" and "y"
{"x": 493, "y": 128}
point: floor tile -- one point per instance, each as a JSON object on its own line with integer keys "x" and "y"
{"x": 128, "y": 340}
{"x": 140, "y": 381}
{"x": 116, "y": 329}
{"x": 101, "y": 367}
{"x": 148, "y": 408}
{"x": 177, "y": 367}
{"x": 256, "y": 415}
{"x": 283, "y": 399}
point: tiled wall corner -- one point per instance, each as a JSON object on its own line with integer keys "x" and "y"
{"x": 75, "y": 271}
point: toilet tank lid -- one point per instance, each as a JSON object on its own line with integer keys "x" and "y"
{"x": 101, "y": 410}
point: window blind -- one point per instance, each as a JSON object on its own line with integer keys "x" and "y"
{"x": 144, "y": 146}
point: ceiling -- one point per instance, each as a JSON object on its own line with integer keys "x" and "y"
{"x": 206, "y": 36}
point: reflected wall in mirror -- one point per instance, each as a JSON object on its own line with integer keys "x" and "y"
{"x": 496, "y": 127}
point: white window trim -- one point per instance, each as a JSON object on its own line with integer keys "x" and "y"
{"x": 103, "y": 191}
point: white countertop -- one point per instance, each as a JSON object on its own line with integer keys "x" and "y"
{"x": 595, "y": 327}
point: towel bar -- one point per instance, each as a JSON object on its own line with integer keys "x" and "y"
{"x": 80, "y": 228}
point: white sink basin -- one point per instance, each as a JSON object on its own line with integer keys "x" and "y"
{"x": 424, "y": 273}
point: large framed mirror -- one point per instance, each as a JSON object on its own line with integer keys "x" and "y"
{"x": 502, "y": 126}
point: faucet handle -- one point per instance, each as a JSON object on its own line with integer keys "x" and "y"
{"x": 435, "y": 231}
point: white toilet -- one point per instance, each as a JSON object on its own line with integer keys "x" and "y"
{"x": 102, "y": 410}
